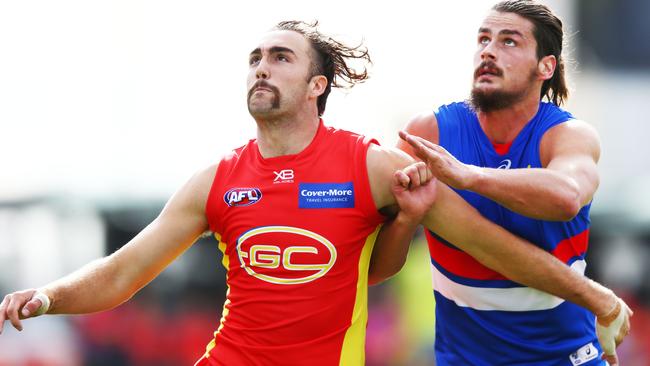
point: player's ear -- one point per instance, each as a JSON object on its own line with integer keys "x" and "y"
{"x": 317, "y": 85}
{"x": 546, "y": 67}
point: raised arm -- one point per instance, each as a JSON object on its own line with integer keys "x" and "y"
{"x": 556, "y": 192}
{"x": 414, "y": 191}
{"x": 110, "y": 281}
{"x": 456, "y": 221}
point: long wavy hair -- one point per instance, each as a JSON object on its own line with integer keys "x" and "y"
{"x": 330, "y": 58}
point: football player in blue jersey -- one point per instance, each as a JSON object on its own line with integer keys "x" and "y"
{"x": 531, "y": 167}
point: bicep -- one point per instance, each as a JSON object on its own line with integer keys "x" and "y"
{"x": 573, "y": 149}
{"x": 180, "y": 223}
{"x": 382, "y": 163}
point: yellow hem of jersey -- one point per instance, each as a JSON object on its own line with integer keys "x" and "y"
{"x": 353, "y": 351}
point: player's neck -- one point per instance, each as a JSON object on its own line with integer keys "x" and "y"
{"x": 285, "y": 136}
{"x": 502, "y": 126}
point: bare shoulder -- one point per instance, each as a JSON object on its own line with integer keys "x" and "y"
{"x": 424, "y": 125}
{"x": 386, "y": 158}
{"x": 571, "y": 137}
{"x": 382, "y": 162}
{"x": 573, "y": 128}
{"x": 194, "y": 193}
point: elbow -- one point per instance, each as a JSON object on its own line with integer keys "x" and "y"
{"x": 376, "y": 280}
{"x": 569, "y": 205}
{"x": 569, "y": 211}
{"x": 119, "y": 285}
{"x": 376, "y": 276}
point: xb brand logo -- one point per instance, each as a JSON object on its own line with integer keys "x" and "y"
{"x": 285, "y": 255}
{"x": 283, "y": 176}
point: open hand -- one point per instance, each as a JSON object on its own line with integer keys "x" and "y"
{"x": 442, "y": 164}
{"x": 612, "y": 328}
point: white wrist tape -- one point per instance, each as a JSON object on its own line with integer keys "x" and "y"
{"x": 45, "y": 303}
{"x": 607, "y": 333}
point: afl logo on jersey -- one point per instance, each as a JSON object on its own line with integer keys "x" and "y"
{"x": 285, "y": 255}
{"x": 242, "y": 196}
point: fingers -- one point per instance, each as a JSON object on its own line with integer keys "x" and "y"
{"x": 3, "y": 307}
{"x": 612, "y": 329}
{"x": 421, "y": 147}
{"x": 611, "y": 359}
{"x": 31, "y": 307}
{"x": 401, "y": 179}
{"x": 627, "y": 308}
{"x": 438, "y": 159}
{"x": 424, "y": 173}
{"x": 20, "y": 305}
{"x": 12, "y": 311}
{"x": 413, "y": 139}
{"x": 415, "y": 175}
{"x": 625, "y": 328}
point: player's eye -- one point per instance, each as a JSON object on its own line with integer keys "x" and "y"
{"x": 254, "y": 60}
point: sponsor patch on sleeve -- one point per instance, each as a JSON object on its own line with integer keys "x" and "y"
{"x": 326, "y": 195}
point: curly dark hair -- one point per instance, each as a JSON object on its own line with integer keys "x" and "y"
{"x": 549, "y": 36}
{"x": 330, "y": 58}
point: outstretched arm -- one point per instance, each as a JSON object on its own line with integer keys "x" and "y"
{"x": 414, "y": 191}
{"x": 457, "y": 222}
{"x": 110, "y": 281}
{"x": 569, "y": 177}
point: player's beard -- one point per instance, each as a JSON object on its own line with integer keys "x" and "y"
{"x": 489, "y": 101}
{"x": 267, "y": 107}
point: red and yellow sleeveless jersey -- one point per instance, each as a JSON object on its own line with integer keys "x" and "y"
{"x": 296, "y": 234}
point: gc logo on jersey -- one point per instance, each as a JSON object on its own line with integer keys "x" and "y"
{"x": 242, "y": 196}
{"x": 285, "y": 255}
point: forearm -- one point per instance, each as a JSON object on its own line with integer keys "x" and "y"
{"x": 496, "y": 248}
{"x": 95, "y": 287}
{"x": 538, "y": 193}
{"x": 108, "y": 282}
{"x": 391, "y": 248}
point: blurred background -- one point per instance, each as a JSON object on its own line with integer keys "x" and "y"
{"x": 107, "y": 107}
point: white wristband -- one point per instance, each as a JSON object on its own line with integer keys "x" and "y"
{"x": 45, "y": 303}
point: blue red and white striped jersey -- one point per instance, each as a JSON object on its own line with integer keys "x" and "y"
{"x": 482, "y": 318}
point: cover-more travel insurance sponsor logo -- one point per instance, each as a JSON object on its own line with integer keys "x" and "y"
{"x": 285, "y": 255}
{"x": 326, "y": 195}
